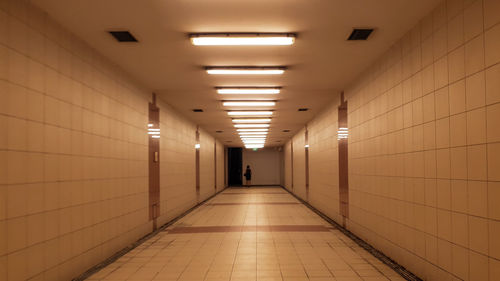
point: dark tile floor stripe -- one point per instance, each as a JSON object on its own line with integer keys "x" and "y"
{"x": 254, "y": 203}
{"x": 249, "y": 228}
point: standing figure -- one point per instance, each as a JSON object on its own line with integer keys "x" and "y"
{"x": 248, "y": 176}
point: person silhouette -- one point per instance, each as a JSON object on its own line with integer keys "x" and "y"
{"x": 248, "y": 176}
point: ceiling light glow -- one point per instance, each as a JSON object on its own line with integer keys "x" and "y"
{"x": 261, "y": 120}
{"x": 251, "y": 91}
{"x": 249, "y": 103}
{"x": 254, "y": 146}
{"x": 252, "y": 130}
{"x": 236, "y": 39}
{"x": 249, "y": 113}
{"x": 245, "y": 70}
{"x": 251, "y": 125}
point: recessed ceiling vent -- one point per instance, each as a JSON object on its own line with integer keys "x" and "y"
{"x": 286, "y": 131}
{"x": 303, "y": 109}
{"x": 123, "y": 36}
{"x": 218, "y": 132}
{"x": 360, "y": 34}
{"x": 197, "y": 110}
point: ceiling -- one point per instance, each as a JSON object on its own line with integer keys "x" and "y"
{"x": 320, "y": 64}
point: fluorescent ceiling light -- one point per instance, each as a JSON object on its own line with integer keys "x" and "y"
{"x": 254, "y": 140}
{"x": 253, "y": 137}
{"x": 251, "y": 91}
{"x": 261, "y": 120}
{"x": 254, "y": 146}
{"x": 252, "y": 130}
{"x": 246, "y": 70}
{"x": 236, "y": 39}
{"x": 249, "y": 113}
{"x": 248, "y": 134}
{"x": 249, "y": 103}
{"x": 251, "y": 125}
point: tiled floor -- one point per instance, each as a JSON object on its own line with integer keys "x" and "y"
{"x": 249, "y": 234}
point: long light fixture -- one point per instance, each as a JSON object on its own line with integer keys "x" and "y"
{"x": 242, "y": 39}
{"x": 260, "y": 120}
{"x": 249, "y": 103}
{"x": 254, "y": 146}
{"x": 252, "y": 130}
{"x": 253, "y": 136}
{"x": 248, "y": 134}
{"x": 254, "y": 141}
{"x": 249, "y": 113}
{"x": 245, "y": 70}
{"x": 251, "y": 125}
{"x": 248, "y": 91}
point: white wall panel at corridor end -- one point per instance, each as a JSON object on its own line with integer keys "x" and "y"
{"x": 265, "y": 164}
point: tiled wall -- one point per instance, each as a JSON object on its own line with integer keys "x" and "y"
{"x": 177, "y": 164}
{"x": 287, "y": 165}
{"x": 299, "y": 165}
{"x": 221, "y": 166}
{"x": 73, "y": 152}
{"x": 424, "y": 146}
{"x": 207, "y": 167}
{"x": 323, "y": 162}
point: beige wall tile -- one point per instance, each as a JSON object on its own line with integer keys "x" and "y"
{"x": 442, "y": 103}
{"x": 474, "y": 55}
{"x": 476, "y": 126}
{"x": 456, "y": 31}
{"x": 457, "y": 97}
{"x": 478, "y": 266}
{"x": 492, "y": 45}
{"x": 460, "y": 232}
{"x": 492, "y": 84}
{"x": 458, "y": 130}
{"x": 476, "y": 162}
{"x": 493, "y": 123}
{"x": 491, "y": 13}
{"x": 475, "y": 91}
{"x": 478, "y": 234}
{"x": 460, "y": 262}
{"x": 456, "y": 64}
{"x": 493, "y": 161}
{"x": 477, "y": 197}
{"x": 473, "y": 20}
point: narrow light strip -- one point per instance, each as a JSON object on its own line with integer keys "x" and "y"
{"x": 153, "y": 133}
{"x": 156, "y": 136}
{"x": 254, "y": 142}
{"x": 254, "y": 138}
{"x": 235, "y": 39}
{"x": 251, "y": 125}
{"x": 254, "y": 146}
{"x": 248, "y": 134}
{"x": 248, "y": 91}
{"x": 262, "y": 120}
{"x": 249, "y": 113}
{"x": 249, "y": 103}
{"x": 245, "y": 70}
{"x": 252, "y": 130}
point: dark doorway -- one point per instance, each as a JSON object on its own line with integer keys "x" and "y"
{"x": 234, "y": 166}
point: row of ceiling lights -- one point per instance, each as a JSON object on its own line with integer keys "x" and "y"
{"x": 253, "y": 130}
